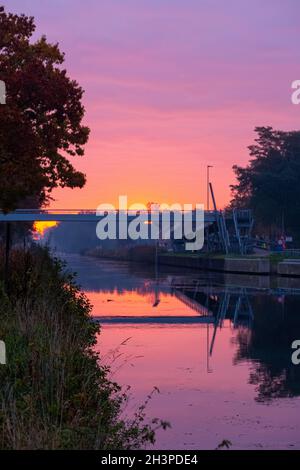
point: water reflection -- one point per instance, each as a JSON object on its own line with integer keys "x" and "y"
{"x": 218, "y": 347}
{"x": 263, "y": 337}
{"x": 267, "y": 345}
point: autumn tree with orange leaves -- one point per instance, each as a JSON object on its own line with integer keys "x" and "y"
{"x": 41, "y": 122}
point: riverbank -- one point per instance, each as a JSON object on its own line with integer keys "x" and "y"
{"x": 220, "y": 263}
{"x": 55, "y": 392}
{"x": 267, "y": 265}
{"x": 273, "y": 264}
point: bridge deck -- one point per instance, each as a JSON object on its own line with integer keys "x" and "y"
{"x": 69, "y": 215}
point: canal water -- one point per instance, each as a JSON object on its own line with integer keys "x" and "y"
{"x": 217, "y": 348}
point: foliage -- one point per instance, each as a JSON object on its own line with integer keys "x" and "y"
{"x": 269, "y": 184}
{"x": 41, "y": 122}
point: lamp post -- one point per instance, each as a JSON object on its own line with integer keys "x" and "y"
{"x": 207, "y": 186}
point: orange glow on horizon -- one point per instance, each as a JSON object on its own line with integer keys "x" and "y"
{"x": 40, "y": 228}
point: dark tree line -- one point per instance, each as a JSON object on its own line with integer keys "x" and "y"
{"x": 270, "y": 183}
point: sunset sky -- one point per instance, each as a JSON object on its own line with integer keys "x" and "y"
{"x": 171, "y": 86}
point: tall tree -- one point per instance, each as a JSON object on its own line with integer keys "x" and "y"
{"x": 270, "y": 183}
{"x": 41, "y": 122}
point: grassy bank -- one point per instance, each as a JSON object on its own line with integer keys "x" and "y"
{"x": 55, "y": 394}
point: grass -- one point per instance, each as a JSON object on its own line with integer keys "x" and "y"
{"x": 55, "y": 393}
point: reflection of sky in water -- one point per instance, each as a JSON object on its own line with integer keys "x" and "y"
{"x": 247, "y": 391}
{"x": 131, "y": 303}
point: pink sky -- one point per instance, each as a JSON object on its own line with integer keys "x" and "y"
{"x": 171, "y": 86}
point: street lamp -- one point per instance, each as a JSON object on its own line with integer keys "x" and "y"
{"x": 207, "y": 185}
